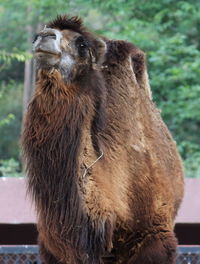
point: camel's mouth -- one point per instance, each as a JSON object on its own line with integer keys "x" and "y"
{"x": 46, "y": 57}
{"x": 40, "y": 52}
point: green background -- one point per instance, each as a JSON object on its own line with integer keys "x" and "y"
{"x": 169, "y": 33}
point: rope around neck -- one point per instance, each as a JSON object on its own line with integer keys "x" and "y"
{"x": 84, "y": 174}
{"x": 92, "y": 164}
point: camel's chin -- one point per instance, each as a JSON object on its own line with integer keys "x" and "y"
{"x": 46, "y": 59}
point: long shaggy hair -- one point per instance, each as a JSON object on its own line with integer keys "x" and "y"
{"x": 140, "y": 173}
{"x": 52, "y": 134}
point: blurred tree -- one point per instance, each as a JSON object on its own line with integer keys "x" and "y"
{"x": 10, "y": 115}
{"x": 168, "y": 31}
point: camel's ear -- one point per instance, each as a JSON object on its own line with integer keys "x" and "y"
{"x": 100, "y": 50}
{"x": 140, "y": 70}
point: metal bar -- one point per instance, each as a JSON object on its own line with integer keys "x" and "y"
{"x": 188, "y": 250}
{"x": 28, "y": 254}
{"x": 19, "y": 249}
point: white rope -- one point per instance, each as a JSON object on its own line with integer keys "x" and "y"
{"x": 84, "y": 174}
{"x": 86, "y": 170}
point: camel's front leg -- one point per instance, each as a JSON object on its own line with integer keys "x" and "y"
{"x": 159, "y": 248}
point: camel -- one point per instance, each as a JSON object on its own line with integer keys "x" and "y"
{"x": 103, "y": 170}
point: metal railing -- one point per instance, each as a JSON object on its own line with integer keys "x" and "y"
{"x": 188, "y": 255}
{"x": 19, "y": 255}
{"x": 30, "y": 255}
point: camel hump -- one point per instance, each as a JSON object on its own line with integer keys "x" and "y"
{"x": 119, "y": 51}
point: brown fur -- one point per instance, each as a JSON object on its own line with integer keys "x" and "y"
{"x": 127, "y": 202}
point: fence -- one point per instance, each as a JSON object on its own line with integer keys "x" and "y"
{"x": 29, "y": 255}
{"x": 188, "y": 255}
{"x": 19, "y": 255}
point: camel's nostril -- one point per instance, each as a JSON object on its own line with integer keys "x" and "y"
{"x": 49, "y": 36}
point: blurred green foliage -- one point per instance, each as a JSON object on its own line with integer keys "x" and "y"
{"x": 10, "y": 168}
{"x": 10, "y": 126}
{"x": 168, "y": 31}
{"x": 10, "y": 120}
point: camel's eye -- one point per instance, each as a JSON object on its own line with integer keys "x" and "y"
{"x": 82, "y": 46}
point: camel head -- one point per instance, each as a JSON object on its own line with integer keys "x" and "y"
{"x": 65, "y": 45}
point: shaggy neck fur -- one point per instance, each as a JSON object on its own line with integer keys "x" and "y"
{"x": 52, "y": 143}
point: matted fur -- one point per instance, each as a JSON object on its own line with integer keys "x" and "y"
{"x": 126, "y": 204}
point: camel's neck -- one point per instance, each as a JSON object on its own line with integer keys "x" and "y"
{"x": 58, "y": 125}
{"x": 54, "y": 128}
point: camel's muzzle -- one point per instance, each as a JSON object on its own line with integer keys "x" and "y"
{"x": 46, "y": 47}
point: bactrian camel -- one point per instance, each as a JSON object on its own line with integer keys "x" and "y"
{"x": 103, "y": 169}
